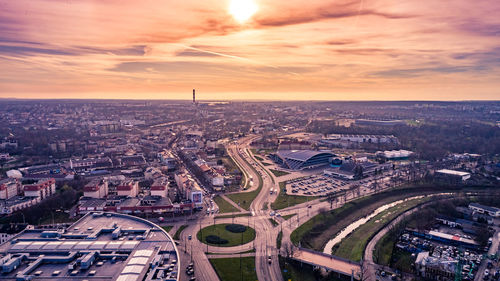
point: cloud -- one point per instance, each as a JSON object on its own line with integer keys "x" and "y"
{"x": 337, "y": 10}
{"x": 414, "y": 72}
{"x": 25, "y": 51}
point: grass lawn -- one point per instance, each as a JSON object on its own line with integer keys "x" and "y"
{"x": 177, "y": 234}
{"x": 353, "y": 246}
{"x": 234, "y": 239}
{"x": 278, "y": 173}
{"x": 382, "y": 252}
{"x": 167, "y": 228}
{"x": 246, "y": 198}
{"x": 258, "y": 158}
{"x": 287, "y": 217}
{"x": 266, "y": 164}
{"x": 224, "y": 206}
{"x": 228, "y": 269}
{"x": 316, "y": 232}
{"x": 273, "y": 222}
{"x": 235, "y": 215}
{"x": 278, "y": 240}
{"x": 284, "y": 200}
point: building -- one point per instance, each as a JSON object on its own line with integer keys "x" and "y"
{"x": 96, "y": 188}
{"x": 432, "y": 268}
{"x": 491, "y": 211}
{"x": 301, "y": 159}
{"x": 360, "y": 138}
{"x": 350, "y": 170}
{"x": 7, "y": 231}
{"x": 17, "y": 203}
{"x": 371, "y": 122}
{"x": 167, "y": 158}
{"x": 9, "y": 188}
{"x": 90, "y": 164}
{"x": 42, "y": 188}
{"x": 133, "y": 161}
{"x": 128, "y": 205}
{"x": 160, "y": 187}
{"x": 451, "y": 175}
{"x": 394, "y": 154}
{"x": 99, "y": 246}
{"x": 189, "y": 189}
{"x": 128, "y": 188}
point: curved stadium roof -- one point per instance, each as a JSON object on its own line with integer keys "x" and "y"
{"x": 300, "y": 159}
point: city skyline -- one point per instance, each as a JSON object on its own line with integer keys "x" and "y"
{"x": 231, "y": 50}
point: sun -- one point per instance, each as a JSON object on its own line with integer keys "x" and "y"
{"x": 242, "y": 10}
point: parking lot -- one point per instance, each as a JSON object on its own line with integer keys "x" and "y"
{"x": 321, "y": 185}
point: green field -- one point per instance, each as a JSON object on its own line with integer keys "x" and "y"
{"x": 316, "y": 232}
{"x": 352, "y": 247}
{"x": 284, "y": 200}
{"x": 224, "y": 206}
{"x": 177, "y": 234}
{"x": 382, "y": 252}
{"x": 278, "y": 173}
{"x": 233, "y": 269}
{"x": 287, "y": 217}
{"x": 234, "y": 239}
{"x": 235, "y": 216}
{"x": 167, "y": 228}
{"x": 245, "y": 198}
{"x": 258, "y": 158}
{"x": 278, "y": 240}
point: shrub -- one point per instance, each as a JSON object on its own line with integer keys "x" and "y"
{"x": 214, "y": 239}
{"x": 236, "y": 228}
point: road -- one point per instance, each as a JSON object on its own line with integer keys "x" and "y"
{"x": 266, "y": 233}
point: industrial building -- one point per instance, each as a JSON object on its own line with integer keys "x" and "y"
{"x": 491, "y": 211}
{"x": 301, "y": 159}
{"x": 451, "y": 175}
{"x": 99, "y": 246}
{"x": 394, "y": 154}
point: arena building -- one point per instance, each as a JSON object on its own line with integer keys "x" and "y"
{"x": 301, "y": 159}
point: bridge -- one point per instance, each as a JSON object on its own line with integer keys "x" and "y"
{"x": 337, "y": 264}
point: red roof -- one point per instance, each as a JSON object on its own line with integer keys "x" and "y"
{"x": 125, "y": 187}
{"x": 158, "y": 187}
{"x": 90, "y": 188}
{"x": 204, "y": 168}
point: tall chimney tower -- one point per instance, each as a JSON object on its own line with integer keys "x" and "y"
{"x": 194, "y": 96}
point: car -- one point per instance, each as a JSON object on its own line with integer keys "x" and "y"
{"x": 269, "y": 259}
{"x": 309, "y": 207}
{"x": 189, "y": 237}
{"x": 190, "y": 272}
{"x": 192, "y": 279}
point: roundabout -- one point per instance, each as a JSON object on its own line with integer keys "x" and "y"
{"x": 226, "y": 235}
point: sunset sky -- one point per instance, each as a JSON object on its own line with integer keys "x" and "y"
{"x": 287, "y": 49}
